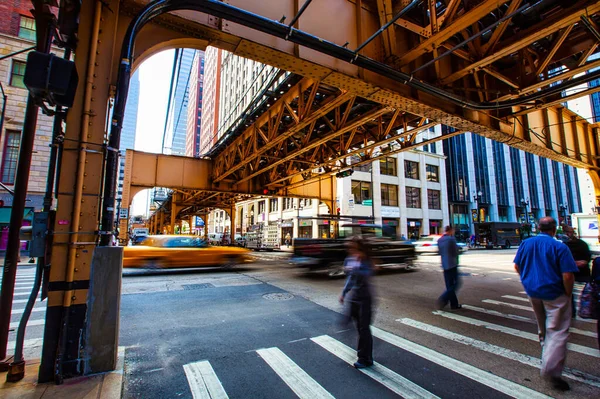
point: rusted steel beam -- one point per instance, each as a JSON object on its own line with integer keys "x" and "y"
{"x": 500, "y": 29}
{"x": 555, "y": 46}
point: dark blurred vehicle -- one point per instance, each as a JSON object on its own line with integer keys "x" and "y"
{"x": 429, "y": 245}
{"x": 498, "y": 234}
{"x": 327, "y": 254}
{"x": 240, "y": 241}
{"x": 170, "y": 251}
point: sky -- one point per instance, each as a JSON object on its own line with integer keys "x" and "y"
{"x": 155, "y": 79}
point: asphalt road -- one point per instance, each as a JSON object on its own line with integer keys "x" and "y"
{"x": 268, "y": 331}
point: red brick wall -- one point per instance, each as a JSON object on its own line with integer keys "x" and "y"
{"x": 10, "y": 12}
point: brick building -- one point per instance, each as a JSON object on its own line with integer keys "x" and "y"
{"x": 17, "y": 32}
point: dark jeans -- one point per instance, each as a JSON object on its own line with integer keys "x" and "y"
{"x": 360, "y": 311}
{"x": 452, "y": 285}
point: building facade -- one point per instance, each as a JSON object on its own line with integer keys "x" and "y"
{"x": 194, "y": 110}
{"x": 17, "y": 32}
{"x": 129, "y": 129}
{"x": 210, "y": 105}
{"x": 174, "y": 140}
{"x": 491, "y": 182}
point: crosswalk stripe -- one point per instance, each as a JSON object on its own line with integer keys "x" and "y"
{"x": 203, "y": 381}
{"x": 527, "y": 308}
{"x": 500, "y": 384}
{"x": 37, "y": 322}
{"x": 516, "y": 298}
{"x": 512, "y": 331}
{"x": 391, "y": 380}
{"x": 524, "y": 319}
{"x": 303, "y": 385}
{"x": 500, "y": 351}
{"x": 28, "y": 343}
{"x": 502, "y": 272}
{"x": 21, "y": 310}
{"x": 24, "y": 300}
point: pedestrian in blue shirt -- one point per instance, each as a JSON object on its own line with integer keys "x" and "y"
{"x": 448, "y": 249}
{"x": 357, "y": 293}
{"x": 546, "y": 268}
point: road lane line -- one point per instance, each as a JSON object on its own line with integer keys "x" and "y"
{"x": 303, "y": 385}
{"x": 37, "y": 322}
{"x": 500, "y": 384}
{"x": 388, "y": 378}
{"x": 527, "y": 308}
{"x": 512, "y": 331}
{"x": 524, "y": 319}
{"x": 500, "y": 351}
{"x": 203, "y": 382}
{"x": 516, "y": 298}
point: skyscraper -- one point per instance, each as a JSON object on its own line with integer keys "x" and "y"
{"x": 129, "y": 127}
{"x": 174, "y": 140}
{"x": 194, "y": 110}
{"x": 210, "y": 92}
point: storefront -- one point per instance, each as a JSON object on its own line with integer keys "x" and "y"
{"x": 5, "y": 221}
{"x": 305, "y": 228}
{"x": 390, "y": 228}
{"x": 435, "y": 227}
{"x": 287, "y": 227}
{"x": 413, "y": 226}
{"x": 324, "y": 229}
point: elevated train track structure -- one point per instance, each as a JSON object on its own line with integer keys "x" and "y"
{"x": 366, "y": 77}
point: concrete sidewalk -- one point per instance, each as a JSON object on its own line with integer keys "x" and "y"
{"x": 97, "y": 386}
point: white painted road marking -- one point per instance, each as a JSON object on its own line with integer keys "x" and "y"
{"x": 390, "y": 379}
{"x": 27, "y": 344}
{"x": 500, "y": 272}
{"x": 203, "y": 382}
{"x": 21, "y": 310}
{"x": 38, "y": 322}
{"x": 527, "y": 308}
{"x": 26, "y": 300}
{"x": 524, "y": 319}
{"x": 500, "y": 351}
{"x": 516, "y": 298}
{"x": 500, "y": 384}
{"x": 512, "y": 331}
{"x": 303, "y": 385}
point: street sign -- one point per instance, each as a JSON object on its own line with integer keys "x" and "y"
{"x": 123, "y": 213}
{"x": 351, "y": 201}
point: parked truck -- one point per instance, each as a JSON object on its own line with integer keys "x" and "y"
{"x": 498, "y": 234}
{"x": 586, "y": 227}
{"x": 263, "y": 237}
{"x": 327, "y": 254}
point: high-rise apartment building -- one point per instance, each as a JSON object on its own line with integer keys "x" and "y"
{"x": 129, "y": 127}
{"x": 174, "y": 141}
{"x": 210, "y": 103}
{"x": 194, "y": 109}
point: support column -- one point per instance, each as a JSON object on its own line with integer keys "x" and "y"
{"x": 595, "y": 176}
{"x": 161, "y": 223}
{"x": 80, "y": 180}
{"x": 232, "y": 220}
{"x": 191, "y": 223}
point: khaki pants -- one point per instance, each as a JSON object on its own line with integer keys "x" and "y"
{"x": 553, "y": 319}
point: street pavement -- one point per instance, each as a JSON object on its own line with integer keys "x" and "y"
{"x": 268, "y": 331}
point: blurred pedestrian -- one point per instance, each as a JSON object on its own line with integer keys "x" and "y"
{"x": 547, "y": 268}
{"x": 582, "y": 255}
{"x": 448, "y": 249}
{"x": 595, "y": 277}
{"x": 357, "y": 294}
{"x": 288, "y": 239}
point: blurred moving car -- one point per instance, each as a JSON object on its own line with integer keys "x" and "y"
{"x": 429, "y": 245}
{"x": 138, "y": 235}
{"x": 172, "y": 251}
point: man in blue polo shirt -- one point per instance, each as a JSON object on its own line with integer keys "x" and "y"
{"x": 546, "y": 267}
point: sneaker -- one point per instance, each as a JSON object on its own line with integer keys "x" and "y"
{"x": 541, "y": 338}
{"x": 362, "y": 365}
{"x": 560, "y": 384}
{"x": 456, "y": 307}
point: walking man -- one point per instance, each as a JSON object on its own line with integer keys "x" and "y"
{"x": 546, "y": 268}
{"x": 449, "y": 253}
{"x": 582, "y": 255}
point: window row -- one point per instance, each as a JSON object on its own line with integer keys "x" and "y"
{"x": 362, "y": 193}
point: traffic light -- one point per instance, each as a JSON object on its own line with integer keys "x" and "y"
{"x": 266, "y": 191}
{"x": 344, "y": 173}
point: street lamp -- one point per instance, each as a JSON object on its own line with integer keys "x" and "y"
{"x": 477, "y": 200}
{"x": 525, "y": 204}
{"x": 563, "y": 212}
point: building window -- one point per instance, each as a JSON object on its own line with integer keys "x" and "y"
{"x": 273, "y": 205}
{"x": 360, "y": 168}
{"x": 27, "y": 28}
{"x": 432, "y": 173}
{"x": 16, "y": 76}
{"x": 387, "y": 166}
{"x": 433, "y": 199}
{"x": 261, "y": 207}
{"x": 361, "y": 191}
{"x": 389, "y": 194}
{"x": 413, "y": 197}
{"x": 10, "y": 156}
{"x": 287, "y": 203}
{"x": 411, "y": 170}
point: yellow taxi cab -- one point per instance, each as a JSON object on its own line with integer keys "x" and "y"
{"x": 172, "y": 251}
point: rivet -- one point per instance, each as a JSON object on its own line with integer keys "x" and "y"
{"x": 73, "y": 297}
{"x": 76, "y": 270}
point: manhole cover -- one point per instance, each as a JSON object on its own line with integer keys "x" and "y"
{"x": 280, "y": 296}
{"x": 197, "y": 286}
